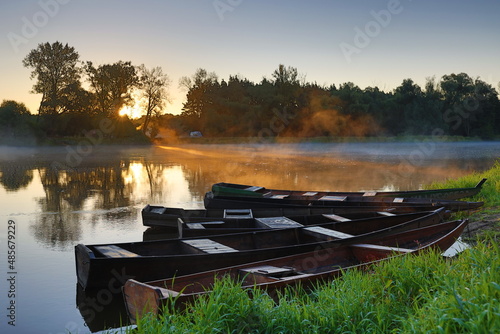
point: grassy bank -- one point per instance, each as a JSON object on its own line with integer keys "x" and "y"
{"x": 485, "y": 222}
{"x": 409, "y": 294}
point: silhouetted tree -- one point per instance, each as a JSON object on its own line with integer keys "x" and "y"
{"x": 55, "y": 66}
{"x": 200, "y": 87}
{"x": 153, "y": 85}
{"x": 112, "y": 85}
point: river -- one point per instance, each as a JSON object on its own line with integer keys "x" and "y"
{"x": 55, "y": 198}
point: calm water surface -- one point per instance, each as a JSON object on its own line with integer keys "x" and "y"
{"x": 55, "y": 198}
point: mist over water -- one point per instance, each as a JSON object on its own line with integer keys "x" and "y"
{"x": 98, "y": 197}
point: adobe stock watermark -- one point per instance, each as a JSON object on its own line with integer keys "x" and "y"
{"x": 364, "y": 36}
{"x": 31, "y": 25}
{"x": 223, "y": 6}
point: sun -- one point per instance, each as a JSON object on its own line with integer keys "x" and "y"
{"x": 131, "y": 112}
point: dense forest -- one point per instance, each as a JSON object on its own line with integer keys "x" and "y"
{"x": 80, "y": 98}
{"x": 285, "y": 105}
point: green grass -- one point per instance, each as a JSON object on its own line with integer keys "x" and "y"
{"x": 489, "y": 194}
{"x": 409, "y": 294}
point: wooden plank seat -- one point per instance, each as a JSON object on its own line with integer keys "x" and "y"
{"x": 326, "y": 233}
{"x": 209, "y": 246}
{"x": 336, "y": 218}
{"x": 384, "y": 213}
{"x": 195, "y": 226}
{"x": 333, "y": 198}
{"x": 269, "y": 270}
{"x": 201, "y": 225}
{"x": 158, "y": 210}
{"x": 277, "y": 222}
{"x": 254, "y": 188}
{"x": 113, "y": 251}
{"x": 238, "y": 213}
{"x": 279, "y": 196}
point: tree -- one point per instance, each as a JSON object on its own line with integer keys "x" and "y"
{"x": 153, "y": 85}
{"x": 200, "y": 88}
{"x": 112, "y": 85}
{"x": 55, "y": 66}
{"x": 285, "y": 75}
{"x": 457, "y": 89}
{"x": 75, "y": 99}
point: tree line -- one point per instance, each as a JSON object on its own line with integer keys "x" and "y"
{"x": 77, "y": 95}
{"x": 286, "y": 105}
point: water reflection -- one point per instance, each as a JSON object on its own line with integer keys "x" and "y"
{"x": 101, "y": 309}
{"x": 177, "y": 176}
{"x": 14, "y": 177}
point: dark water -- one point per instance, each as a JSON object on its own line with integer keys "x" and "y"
{"x": 52, "y": 199}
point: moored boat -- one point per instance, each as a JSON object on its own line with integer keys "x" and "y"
{"x": 274, "y": 274}
{"x": 370, "y": 203}
{"x": 189, "y": 227}
{"x": 167, "y": 217}
{"x": 241, "y": 190}
{"x": 101, "y": 265}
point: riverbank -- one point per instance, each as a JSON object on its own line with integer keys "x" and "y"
{"x": 484, "y": 223}
{"x": 411, "y": 294}
{"x": 295, "y": 140}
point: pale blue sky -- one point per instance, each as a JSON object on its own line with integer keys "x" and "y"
{"x": 252, "y": 37}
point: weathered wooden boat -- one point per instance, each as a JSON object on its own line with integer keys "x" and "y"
{"x": 189, "y": 228}
{"x": 371, "y": 203}
{"x": 202, "y": 227}
{"x": 274, "y": 274}
{"x": 166, "y": 217}
{"x": 241, "y": 190}
{"x": 101, "y": 265}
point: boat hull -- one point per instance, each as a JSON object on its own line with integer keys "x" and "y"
{"x": 274, "y": 274}
{"x": 152, "y": 260}
{"x": 353, "y": 203}
{"x": 240, "y": 190}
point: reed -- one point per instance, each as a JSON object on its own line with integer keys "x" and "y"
{"x": 489, "y": 194}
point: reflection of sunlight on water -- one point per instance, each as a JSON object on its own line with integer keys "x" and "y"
{"x": 135, "y": 172}
{"x": 157, "y": 184}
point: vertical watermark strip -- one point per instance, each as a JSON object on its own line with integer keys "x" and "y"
{"x": 11, "y": 272}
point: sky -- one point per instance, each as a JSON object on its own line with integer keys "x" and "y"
{"x": 369, "y": 43}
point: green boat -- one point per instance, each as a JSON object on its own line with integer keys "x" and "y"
{"x": 240, "y": 190}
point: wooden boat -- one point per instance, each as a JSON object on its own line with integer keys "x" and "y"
{"x": 189, "y": 227}
{"x": 371, "y": 203}
{"x": 241, "y": 190}
{"x": 201, "y": 227}
{"x": 274, "y": 274}
{"x": 160, "y": 216}
{"x": 100, "y": 265}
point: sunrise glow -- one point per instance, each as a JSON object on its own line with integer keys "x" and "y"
{"x": 131, "y": 112}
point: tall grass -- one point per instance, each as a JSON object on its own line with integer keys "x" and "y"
{"x": 409, "y": 294}
{"x": 489, "y": 194}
